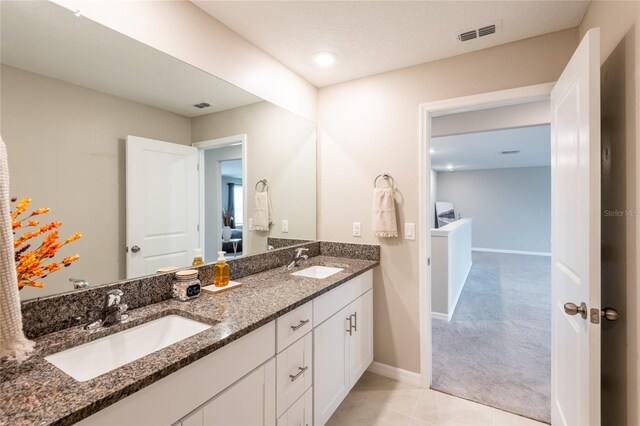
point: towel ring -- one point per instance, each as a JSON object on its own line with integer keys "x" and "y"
{"x": 264, "y": 185}
{"x": 387, "y": 177}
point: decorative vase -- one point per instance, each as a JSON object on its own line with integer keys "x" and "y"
{"x": 226, "y": 233}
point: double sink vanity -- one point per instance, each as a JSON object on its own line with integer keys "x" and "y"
{"x": 285, "y": 349}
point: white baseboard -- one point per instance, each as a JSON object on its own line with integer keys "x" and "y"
{"x": 395, "y": 373}
{"x": 531, "y": 253}
{"x": 441, "y": 316}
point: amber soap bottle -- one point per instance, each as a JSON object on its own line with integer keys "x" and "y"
{"x": 221, "y": 271}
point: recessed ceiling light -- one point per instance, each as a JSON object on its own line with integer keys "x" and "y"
{"x": 450, "y": 167}
{"x": 324, "y": 59}
{"x": 77, "y": 13}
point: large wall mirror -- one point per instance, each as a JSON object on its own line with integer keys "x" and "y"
{"x": 151, "y": 159}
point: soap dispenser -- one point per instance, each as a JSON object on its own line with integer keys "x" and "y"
{"x": 221, "y": 271}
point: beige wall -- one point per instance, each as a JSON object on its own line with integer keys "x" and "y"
{"x": 281, "y": 147}
{"x": 67, "y": 151}
{"x": 619, "y": 21}
{"x": 182, "y": 30}
{"x": 369, "y": 126}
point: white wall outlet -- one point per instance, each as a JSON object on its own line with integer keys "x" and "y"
{"x": 409, "y": 231}
{"x": 285, "y": 226}
{"x": 357, "y": 231}
{"x": 251, "y": 228}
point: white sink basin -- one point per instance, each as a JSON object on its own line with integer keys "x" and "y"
{"x": 92, "y": 359}
{"x": 318, "y": 272}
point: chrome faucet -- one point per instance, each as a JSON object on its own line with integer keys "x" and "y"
{"x": 297, "y": 257}
{"x": 113, "y": 312}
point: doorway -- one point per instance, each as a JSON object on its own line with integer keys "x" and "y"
{"x": 491, "y": 257}
{"x": 222, "y": 173}
{"x": 486, "y": 261}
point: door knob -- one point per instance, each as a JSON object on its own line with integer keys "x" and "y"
{"x": 610, "y": 314}
{"x": 572, "y": 309}
{"x": 135, "y": 249}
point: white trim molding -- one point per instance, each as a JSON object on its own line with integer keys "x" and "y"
{"x": 426, "y": 111}
{"x": 530, "y": 253}
{"x": 395, "y": 373}
{"x": 447, "y": 317}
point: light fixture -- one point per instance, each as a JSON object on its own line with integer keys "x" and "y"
{"x": 450, "y": 167}
{"x": 77, "y": 13}
{"x": 324, "y": 59}
{"x": 432, "y": 150}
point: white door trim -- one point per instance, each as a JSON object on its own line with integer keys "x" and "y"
{"x": 520, "y": 95}
{"x": 222, "y": 143}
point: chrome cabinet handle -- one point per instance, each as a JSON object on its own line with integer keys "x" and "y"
{"x": 350, "y": 325}
{"x": 355, "y": 320}
{"x": 302, "y": 322}
{"x": 300, "y": 373}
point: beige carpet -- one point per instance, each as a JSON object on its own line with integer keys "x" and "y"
{"x": 497, "y": 348}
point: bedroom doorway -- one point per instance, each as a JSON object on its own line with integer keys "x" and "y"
{"x": 222, "y": 174}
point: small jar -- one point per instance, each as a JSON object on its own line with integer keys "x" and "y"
{"x": 186, "y": 285}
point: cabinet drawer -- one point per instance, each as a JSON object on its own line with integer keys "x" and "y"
{"x": 336, "y": 299}
{"x": 293, "y": 325}
{"x": 294, "y": 372}
{"x": 300, "y": 413}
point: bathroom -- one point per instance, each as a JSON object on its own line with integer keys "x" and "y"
{"x": 108, "y": 111}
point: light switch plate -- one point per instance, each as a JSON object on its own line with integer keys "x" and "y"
{"x": 357, "y": 231}
{"x": 285, "y": 226}
{"x": 409, "y": 231}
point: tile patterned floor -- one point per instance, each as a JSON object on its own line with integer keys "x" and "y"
{"x": 377, "y": 400}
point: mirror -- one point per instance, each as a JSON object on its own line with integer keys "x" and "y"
{"x": 154, "y": 161}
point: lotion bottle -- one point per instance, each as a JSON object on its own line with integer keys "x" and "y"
{"x": 221, "y": 271}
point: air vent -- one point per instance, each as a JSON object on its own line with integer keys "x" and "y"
{"x": 202, "y": 105}
{"x": 472, "y": 33}
{"x": 509, "y": 152}
{"x": 467, "y": 35}
{"x": 485, "y": 31}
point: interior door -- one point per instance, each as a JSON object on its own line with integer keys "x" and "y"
{"x": 162, "y": 205}
{"x": 575, "y": 275}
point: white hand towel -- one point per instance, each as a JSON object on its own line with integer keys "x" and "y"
{"x": 263, "y": 213}
{"x": 13, "y": 344}
{"x": 384, "y": 213}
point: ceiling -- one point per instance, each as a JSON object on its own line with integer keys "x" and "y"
{"x": 371, "y": 37}
{"x": 483, "y": 150}
{"x": 47, "y": 39}
{"x": 231, "y": 168}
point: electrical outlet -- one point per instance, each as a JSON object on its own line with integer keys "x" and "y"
{"x": 357, "y": 229}
{"x": 409, "y": 231}
{"x": 251, "y": 228}
{"x": 285, "y": 226}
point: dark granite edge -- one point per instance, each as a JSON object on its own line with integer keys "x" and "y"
{"x": 145, "y": 381}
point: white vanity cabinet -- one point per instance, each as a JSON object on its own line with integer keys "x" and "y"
{"x": 295, "y": 370}
{"x": 343, "y": 344}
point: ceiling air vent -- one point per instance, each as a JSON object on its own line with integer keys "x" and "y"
{"x": 467, "y": 35}
{"x": 484, "y": 31}
{"x": 509, "y": 152}
{"x": 202, "y": 105}
{"x": 470, "y": 34}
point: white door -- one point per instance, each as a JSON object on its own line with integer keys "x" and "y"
{"x": 361, "y": 342}
{"x": 330, "y": 365}
{"x": 575, "y": 275}
{"x": 162, "y": 205}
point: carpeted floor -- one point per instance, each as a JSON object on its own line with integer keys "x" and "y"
{"x": 497, "y": 348}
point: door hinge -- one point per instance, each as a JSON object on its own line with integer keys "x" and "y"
{"x": 198, "y": 167}
{"x": 198, "y": 228}
{"x": 428, "y": 261}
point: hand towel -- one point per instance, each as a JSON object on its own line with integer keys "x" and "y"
{"x": 13, "y": 344}
{"x": 263, "y": 213}
{"x": 384, "y": 213}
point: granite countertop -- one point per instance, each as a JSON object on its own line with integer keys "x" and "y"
{"x": 37, "y": 393}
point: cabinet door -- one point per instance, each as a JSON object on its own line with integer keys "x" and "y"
{"x": 361, "y": 342}
{"x": 331, "y": 365}
{"x": 250, "y": 401}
